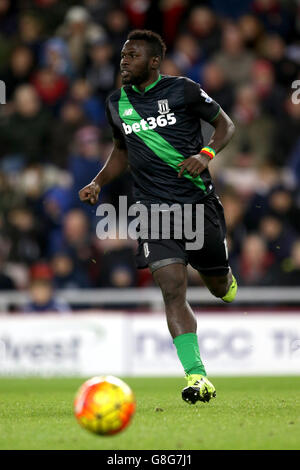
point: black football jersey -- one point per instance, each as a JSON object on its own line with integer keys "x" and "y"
{"x": 161, "y": 127}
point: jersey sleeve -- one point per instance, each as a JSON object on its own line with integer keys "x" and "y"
{"x": 117, "y": 134}
{"x": 198, "y": 103}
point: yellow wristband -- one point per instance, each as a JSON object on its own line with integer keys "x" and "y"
{"x": 209, "y": 151}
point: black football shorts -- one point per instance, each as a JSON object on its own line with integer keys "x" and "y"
{"x": 211, "y": 259}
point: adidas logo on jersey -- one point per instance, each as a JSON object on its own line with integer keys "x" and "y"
{"x": 150, "y": 123}
{"x": 128, "y": 112}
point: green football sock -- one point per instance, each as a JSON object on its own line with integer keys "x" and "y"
{"x": 188, "y": 352}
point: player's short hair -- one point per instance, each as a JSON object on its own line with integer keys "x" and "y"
{"x": 154, "y": 40}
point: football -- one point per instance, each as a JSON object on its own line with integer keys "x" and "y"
{"x": 104, "y": 405}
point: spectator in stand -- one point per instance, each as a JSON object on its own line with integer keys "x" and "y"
{"x": 273, "y": 48}
{"x": 136, "y": 12}
{"x": 44, "y": 188}
{"x": 71, "y": 118}
{"x": 279, "y": 237}
{"x": 101, "y": 72}
{"x": 85, "y": 162}
{"x": 43, "y": 298}
{"x": 187, "y": 56}
{"x": 57, "y": 202}
{"x": 270, "y": 94}
{"x": 254, "y": 266}
{"x": 242, "y": 176}
{"x": 8, "y": 25}
{"x": 117, "y": 265}
{"x": 167, "y": 16}
{"x": 31, "y": 33}
{"x": 257, "y": 207}
{"x": 99, "y": 9}
{"x": 51, "y": 88}
{"x": 275, "y": 16}
{"x": 286, "y": 132}
{"x": 74, "y": 239}
{"x": 56, "y": 57}
{"x": 78, "y": 30}
{"x": 25, "y": 134}
{"x": 52, "y": 12}
{"x": 65, "y": 276}
{"x": 24, "y": 235}
{"x": 231, "y": 8}
{"x": 8, "y": 17}
{"x": 169, "y": 67}
{"x": 282, "y": 202}
{"x": 203, "y": 25}
{"x": 93, "y": 108}
{"x": 77, "y": 240}
{"x": 9, "y": 197}
{"x": 19, "y": 72}
{"x": 234, "y": 209}
{"x": 216, "y": 86}
{"x": 251, "y": 30}
{"x": 234, "y": 59}
{"x": 253, "y": 128}
{"x": 117, "y": 29}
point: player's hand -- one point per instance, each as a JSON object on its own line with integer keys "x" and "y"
{"x": 90, "y": 193}
{"x": 194, "y": 165}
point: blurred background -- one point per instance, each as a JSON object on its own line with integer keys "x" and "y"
{"x": 59, "y": 60}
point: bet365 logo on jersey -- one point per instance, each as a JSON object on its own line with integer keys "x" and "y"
{"x": 150, "y": 123}
{"x": 165, "y": 118}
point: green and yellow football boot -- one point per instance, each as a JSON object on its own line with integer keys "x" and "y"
{"x": 199, "y": 388}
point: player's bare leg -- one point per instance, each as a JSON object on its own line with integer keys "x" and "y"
{"x": 182, "y": 324}
{"x": 172, "y": 280}
{"x": 224, "y": 287}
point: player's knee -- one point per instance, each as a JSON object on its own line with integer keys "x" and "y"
{"x": 172, "y": 281}
{"x": 173, "y": 290}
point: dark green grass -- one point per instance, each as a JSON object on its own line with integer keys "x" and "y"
{"x": 248, "y": 413}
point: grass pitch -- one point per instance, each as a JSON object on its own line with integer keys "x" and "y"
{"x": 248, "y": 413}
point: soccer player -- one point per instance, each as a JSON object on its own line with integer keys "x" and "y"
{"x": 156, "y": 127}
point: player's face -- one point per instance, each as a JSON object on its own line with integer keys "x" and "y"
{"x": 135, "y": 62}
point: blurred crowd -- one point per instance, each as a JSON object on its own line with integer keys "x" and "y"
{"x": 59, "y": 60}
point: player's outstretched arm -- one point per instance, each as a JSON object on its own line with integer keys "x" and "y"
{"x": 224, "y": 130}
{"x": 115, "y": 165}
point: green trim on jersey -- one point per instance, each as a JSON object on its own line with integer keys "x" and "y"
{"x": 147, "y": 87}
{"x": 215, "y": 117}
{"x": 161, "y": 147}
